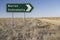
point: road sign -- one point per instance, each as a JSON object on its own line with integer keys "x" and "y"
{"x": 26, "y": 7}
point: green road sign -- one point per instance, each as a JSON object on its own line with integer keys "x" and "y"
{"x": 26, "y": 7}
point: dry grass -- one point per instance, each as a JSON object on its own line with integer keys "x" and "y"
{"x": 34, "y": 29}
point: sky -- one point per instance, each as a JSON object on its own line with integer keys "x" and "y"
{"x": 42, "y": 8}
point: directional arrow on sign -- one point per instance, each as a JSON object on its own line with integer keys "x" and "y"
{"x": 29, "y": 7}
{"x": 26, "y": 7}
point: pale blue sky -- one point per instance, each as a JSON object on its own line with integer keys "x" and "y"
{"x": 42, "y": 8}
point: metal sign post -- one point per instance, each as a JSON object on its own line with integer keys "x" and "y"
{"x": 24, "y": 20}
{"x": 22, "y": 7}
{"x": 13, "y": 20}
